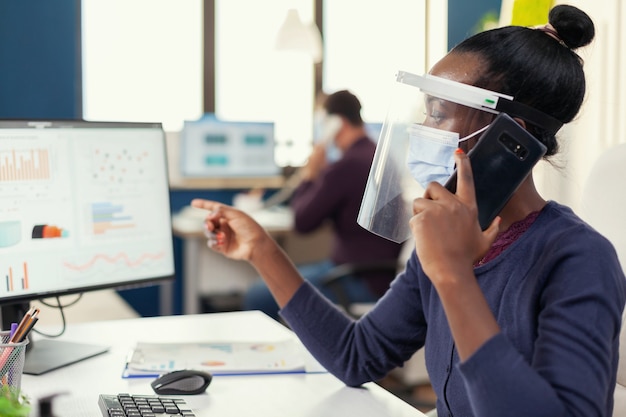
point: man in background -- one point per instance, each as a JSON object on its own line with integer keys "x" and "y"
{"x": 331, "y": 188}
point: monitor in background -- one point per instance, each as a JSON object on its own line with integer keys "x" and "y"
{"x": 84, "y": 206}
{"x": 211, "y": 147}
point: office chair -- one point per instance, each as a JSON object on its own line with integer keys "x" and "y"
{"x": 602, "y": 206}
{"x": 364, "y": 271}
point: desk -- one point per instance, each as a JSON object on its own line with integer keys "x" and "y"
{"x": 208, "y": 273}
{"x": 319, "y": 394}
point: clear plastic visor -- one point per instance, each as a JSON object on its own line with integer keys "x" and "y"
{"x": 426, "y": 118}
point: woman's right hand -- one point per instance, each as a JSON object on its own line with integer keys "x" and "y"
{"x": 232, "y": 232}
{"x": 238, "y": 236}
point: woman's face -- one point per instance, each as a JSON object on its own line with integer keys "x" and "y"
{"x": 446, "y": 115}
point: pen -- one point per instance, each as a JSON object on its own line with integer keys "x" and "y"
{"x": 25, "y": 325}
{"x": 13, "y": 330}
{"x": 28, "y": 328}
{"x": 23, "y": 322}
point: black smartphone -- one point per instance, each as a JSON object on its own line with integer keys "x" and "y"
{"x": 502, "y": 158}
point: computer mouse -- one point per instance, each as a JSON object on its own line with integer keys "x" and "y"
{"x": 183, "y": 382}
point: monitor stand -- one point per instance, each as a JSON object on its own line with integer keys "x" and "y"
{"x": 47, "y": 355}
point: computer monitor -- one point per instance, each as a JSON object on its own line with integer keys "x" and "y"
{"x": 84, "y": 206}
{"x": 212, "y": 147}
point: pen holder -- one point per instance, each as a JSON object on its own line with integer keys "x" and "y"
{"x": 12, "y": 356}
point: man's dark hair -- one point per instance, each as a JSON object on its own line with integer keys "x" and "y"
{"x": 345, "y": 104}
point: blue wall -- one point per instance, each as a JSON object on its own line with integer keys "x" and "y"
{"x": 40, "y": 61}
{"x": 463, "y": 15}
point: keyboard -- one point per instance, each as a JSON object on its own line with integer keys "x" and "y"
{"x": 130, "y": 405}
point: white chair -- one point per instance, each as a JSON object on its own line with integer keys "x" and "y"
{"x": 602, "y": 206}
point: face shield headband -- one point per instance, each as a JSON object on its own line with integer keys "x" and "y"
{"x": 479, "y": 98}
{"x": 407, "y": 151}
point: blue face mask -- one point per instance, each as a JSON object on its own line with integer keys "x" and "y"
{"x": 431, "y": 153}
{"x": 333, "y": 153}
{"x": 325, "y": 130}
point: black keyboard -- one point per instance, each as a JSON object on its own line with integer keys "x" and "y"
{"x": 130, "y": 405}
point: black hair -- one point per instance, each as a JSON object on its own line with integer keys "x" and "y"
{"x": 345, "y": 104}
{"x": 536, "y": 67}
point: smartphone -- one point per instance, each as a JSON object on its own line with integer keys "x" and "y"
{"x": 505, "y": 154}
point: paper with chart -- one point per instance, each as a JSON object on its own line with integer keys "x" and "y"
{"x": 218, "y": 358}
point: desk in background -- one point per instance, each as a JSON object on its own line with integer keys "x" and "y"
{"x": 319, "y": 394}
{"x": 211, "y": 274}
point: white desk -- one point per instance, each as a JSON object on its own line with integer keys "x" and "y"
{"x": 289, "y": 395}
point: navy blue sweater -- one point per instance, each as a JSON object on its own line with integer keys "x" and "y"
{"x": 557, "y": 293}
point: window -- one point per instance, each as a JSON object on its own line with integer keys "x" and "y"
{"x": 254, "y": 82}
{"x": 366, "y": 43}
{"x": 142, "y": 60}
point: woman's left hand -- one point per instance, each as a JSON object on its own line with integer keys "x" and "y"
{"x": 448, "y": 240}
{"x": 448, "y": 237}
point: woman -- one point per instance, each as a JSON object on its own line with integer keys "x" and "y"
{"x": 520, "y": 319}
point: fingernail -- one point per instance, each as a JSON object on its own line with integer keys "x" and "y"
{"x": 459, "y": 151}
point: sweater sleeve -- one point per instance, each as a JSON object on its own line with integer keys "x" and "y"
{"x": 364, "y": 350}
{"x": 572, "y": 371}
{"x": 518, "y": 391}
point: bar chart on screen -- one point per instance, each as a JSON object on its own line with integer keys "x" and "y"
{"x": 26, "y": 164}
{"x": 108, "y": 216}
{"x": 16, "y": 277}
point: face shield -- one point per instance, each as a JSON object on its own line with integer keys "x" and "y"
{"x": 423, "y": 128}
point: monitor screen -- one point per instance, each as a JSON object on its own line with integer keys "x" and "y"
{"x": 83, "y": 206}
{"x": 211, "y": 147}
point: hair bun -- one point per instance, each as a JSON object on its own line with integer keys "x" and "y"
{"x": 574, "y": 26}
